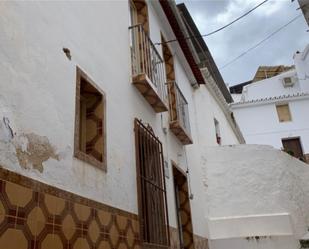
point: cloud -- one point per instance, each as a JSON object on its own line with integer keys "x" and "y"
{"x": 234, "y": 40}
{"x": 239, "y": 7}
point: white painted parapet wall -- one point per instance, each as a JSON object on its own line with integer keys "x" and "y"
{"x": 250, "y": 226}
{"x": 252, "y": 231}
{"x": 256, "y": 197}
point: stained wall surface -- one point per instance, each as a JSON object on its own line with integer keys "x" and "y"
{"x": 37, "y": 102}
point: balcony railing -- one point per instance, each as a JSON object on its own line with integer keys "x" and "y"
{"x": 147, "y": 69}
{"x": 179, "y": 114}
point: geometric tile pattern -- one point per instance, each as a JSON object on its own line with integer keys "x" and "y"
{"x": 90, "y": 128}
{"x": 174, "y": 238}
{"x": 183, "y": 208}
{"x": 34, "y": 215}
{"x": 142, "y": 13}
{"x": 170, "y": 77}
{"x": 33, "y": 219}
{"x": 94, "y": 124}
{"x": 185, "y": 214}
{"x": 200, "y": 242}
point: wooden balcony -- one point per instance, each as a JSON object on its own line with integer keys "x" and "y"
{"x": 179, "y": 114}
{"x": 147, "y": 69}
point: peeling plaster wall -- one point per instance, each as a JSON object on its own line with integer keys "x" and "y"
{"x": 37, "y": 101}
{"x": 39, "y": 93}
{"x": 39, "y": 96}
{"x": 256, "y": 180}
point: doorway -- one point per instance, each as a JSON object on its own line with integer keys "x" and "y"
{"x": 293, "y": 147}
{"x": 183, "y": 210}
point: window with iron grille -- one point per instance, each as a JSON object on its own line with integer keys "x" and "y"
{"x": 151, "y": 187}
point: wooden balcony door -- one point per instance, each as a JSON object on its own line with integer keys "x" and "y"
{"x": 138, "y": 15}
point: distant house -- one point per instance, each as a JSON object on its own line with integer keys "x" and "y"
{"x": 273, "y": 108}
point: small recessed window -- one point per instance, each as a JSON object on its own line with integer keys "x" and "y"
{"x": 90, "y": 139}
{"x": 283, "y": 112}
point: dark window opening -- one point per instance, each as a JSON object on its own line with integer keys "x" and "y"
{"x": 90, "y": 117}
{"x": 293, "y": 147}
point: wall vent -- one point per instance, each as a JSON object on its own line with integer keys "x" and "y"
{"x": 288, "y": 81}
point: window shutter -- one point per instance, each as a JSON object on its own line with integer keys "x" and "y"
{"x": 284, "y": 114}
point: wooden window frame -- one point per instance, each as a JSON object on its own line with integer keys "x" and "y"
{"x": 289, "y": 110}
{"x": 153, "y": 233}
{"x": 80, "y": 74}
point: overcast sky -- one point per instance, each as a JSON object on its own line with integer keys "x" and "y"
{"x": 234, "y": 40}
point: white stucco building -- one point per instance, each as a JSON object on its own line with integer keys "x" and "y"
{"x": 115, "y": 132}
{"x": 274, "y": 111}
{"x": 93, "y": 104}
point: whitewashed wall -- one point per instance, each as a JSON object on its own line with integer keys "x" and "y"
{"x": 258, "y": 197}
{"x": 263, "y": 126}
{"x": 301, "y": 60}
{"x": 259, "y": 120}
{"x": 208, "y": 110}
{"x": 38, "y": 97}
{"x": 271, "y": 87}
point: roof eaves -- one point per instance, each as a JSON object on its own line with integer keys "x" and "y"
{"x": 176, "y": 25}
{"x": 204, "y": 53}
{"x": 276, "y": 98}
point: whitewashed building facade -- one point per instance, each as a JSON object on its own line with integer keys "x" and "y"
{"x": 112, "y": 135}
{"x": 274, "y": 111}
{"x": 93, "y": 108}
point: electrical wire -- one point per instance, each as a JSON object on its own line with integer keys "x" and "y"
{"x": 259, "y": 43}
{"x": 219, "y": 29}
